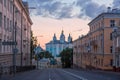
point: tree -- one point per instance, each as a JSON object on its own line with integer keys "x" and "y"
{"x": 44, "y": 54}
{"x": 67, "y": 57}
{"x": 33, "y": 45}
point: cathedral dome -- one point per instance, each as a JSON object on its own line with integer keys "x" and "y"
{"x": 54, "y": 37}
{"x": 62, "y": 37}
{"x": 69, "y": 38}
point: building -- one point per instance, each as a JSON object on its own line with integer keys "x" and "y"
{"x": 15, "y": 32}
{"x": 56, "y": 46}
{"x": 38, "y": 49}
{"x": 116, "y": 47}
{"x": 96, "y": 50}
{"x": 43, "y": 63}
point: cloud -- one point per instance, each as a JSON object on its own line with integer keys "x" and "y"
{"x": 52, "y": 8}
{"x": 59, "y": 9}
{"x": 116, "y": 4}
{"x": 89, "y": 8}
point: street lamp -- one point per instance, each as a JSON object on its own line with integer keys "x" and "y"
{"x": 15, "y": 50}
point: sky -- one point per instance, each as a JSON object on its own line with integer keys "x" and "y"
{"x": 72, "y": 16}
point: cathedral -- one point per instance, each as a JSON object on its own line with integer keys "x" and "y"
{"x": 56, "y": 46}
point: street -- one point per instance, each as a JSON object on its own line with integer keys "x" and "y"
{"x": 63, "y": 74}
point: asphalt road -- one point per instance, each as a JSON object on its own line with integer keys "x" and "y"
{"x": 63, "y": 74}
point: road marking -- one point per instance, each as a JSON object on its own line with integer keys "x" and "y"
{"x": 79, "y": 77}
{"x": 49, "y": 76}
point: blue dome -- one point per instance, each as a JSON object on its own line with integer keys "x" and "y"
{"x": 62, "y": 37}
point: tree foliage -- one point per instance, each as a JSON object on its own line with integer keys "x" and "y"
{"x": 67, "y": 57}
{"x": 33, "y": 44}
{"x": 44, "y": 54}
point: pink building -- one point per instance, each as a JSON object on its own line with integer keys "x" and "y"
{"x": 15, "y": 25}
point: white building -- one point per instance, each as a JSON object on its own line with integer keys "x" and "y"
{"x": 56, "y": 46}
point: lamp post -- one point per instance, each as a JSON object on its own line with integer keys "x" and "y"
{"x": 14, "y": 37}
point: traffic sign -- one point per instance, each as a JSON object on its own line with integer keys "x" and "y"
{"x": 15, "y": 50}
{"x": 9, "y": 43}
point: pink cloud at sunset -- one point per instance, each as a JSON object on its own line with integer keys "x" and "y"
{"x": 45, "y": 28}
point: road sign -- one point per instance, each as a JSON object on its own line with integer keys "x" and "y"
{"x": 15, "y": 50}
{"x": 9, "y": 43}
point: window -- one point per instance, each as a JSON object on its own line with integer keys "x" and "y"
{"x": 7, "y": 27}
{"x": 112, "y": 23}
{"x": 111, "y": 49}
{"x": 11, "y": 6}
{"x": 111, "y": 38}
{"x": 4, "y": 22}
{"x": 111, "y": 62}
{"x": 5, "y": 3}
{"x": 0, "y": 19}
{"x": 99, "y": 25}
{"x": 10, "y": 25}
{"x": 119, "y": 23}
{"x": 8, "y": 4}
{"x": 1, "y": 1}
{"x": 101, "y": 62}
{"x": 0, "y": 45}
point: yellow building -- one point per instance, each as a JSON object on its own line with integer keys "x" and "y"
{"x": 95, "y": 50}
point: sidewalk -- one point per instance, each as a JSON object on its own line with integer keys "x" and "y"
{"x": 12, "y": 76}
{"x": 107, "y": 72}
{"x": 6, "y": 77}
{"x": 98, "y": 71}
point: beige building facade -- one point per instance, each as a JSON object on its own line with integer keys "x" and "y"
{"x": 15, "y": 26}
{"x": 95, "y": 50}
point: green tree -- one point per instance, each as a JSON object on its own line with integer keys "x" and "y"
{"x": 44, "y": 54}
{"x": 67, "y": 57}
{"x": 33, "y": 45}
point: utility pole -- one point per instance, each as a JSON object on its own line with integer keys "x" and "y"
{"x": 21, "y": 37}
{"x": 14, "y": 61}
{"x": 15, "y": 50}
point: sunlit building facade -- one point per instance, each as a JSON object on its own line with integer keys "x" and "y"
{"x": 96, "y": 50}
{"x": 15, "y": 25}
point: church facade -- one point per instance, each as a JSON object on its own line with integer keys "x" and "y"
{"x": 55, "y": 47}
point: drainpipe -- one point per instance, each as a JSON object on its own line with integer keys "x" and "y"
{"x": 21, "y": 37}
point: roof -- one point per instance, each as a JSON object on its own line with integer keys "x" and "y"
{"x": 57, "y": 42}
{"x": 38, "y": 49}
{"x": 103, "y": 15}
